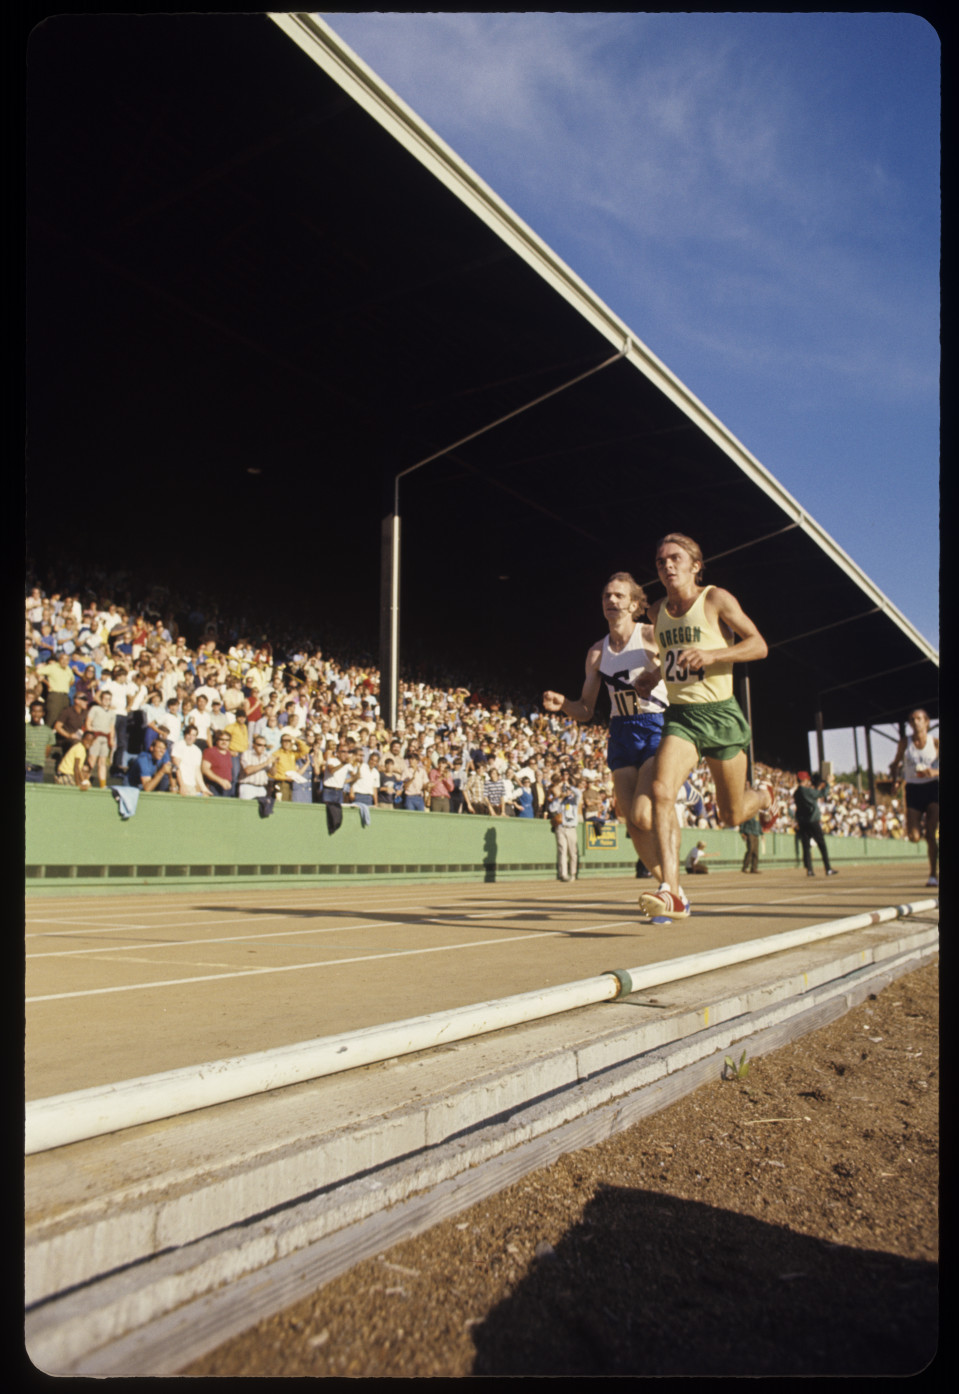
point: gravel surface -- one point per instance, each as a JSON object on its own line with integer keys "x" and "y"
{"x": 782, "y": 1223}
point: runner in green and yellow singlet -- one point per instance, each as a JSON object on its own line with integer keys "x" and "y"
{"x": 696, "y": 627}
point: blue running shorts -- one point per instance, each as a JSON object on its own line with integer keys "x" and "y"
{"x": 633, "y": 739}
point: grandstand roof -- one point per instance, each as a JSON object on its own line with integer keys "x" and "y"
{"x": 247, "y": 253}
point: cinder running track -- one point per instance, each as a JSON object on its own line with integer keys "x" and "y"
{"x": 120, "y": 986}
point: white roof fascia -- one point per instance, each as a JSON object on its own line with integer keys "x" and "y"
{"x": 370, "y": 92}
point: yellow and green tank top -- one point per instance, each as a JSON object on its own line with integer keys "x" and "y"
{"x": 673, "y": 634}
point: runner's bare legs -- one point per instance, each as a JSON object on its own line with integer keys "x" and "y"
{"x": 634, "y": 800}
{"x": 736, "y": 802}
{"x": 675, "y": 761}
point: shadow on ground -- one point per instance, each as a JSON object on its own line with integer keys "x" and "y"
{"x": 648, "y": 1284}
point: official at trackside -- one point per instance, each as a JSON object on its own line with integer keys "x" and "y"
{"x": 563, "y": 809}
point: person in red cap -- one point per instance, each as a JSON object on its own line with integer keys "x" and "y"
{"x": 807, "y": 797}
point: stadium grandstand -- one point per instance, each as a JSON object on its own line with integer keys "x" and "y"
{"x": 329, "y": 460}
{"x": 280, "y": 355}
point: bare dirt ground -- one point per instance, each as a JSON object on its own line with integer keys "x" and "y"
{"x": 784, "y": 1223}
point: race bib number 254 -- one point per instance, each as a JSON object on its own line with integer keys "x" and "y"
{"x": 675, "y": 671}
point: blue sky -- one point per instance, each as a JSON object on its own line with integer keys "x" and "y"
{"x": 757, "y": 196}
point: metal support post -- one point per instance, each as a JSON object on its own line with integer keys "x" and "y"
{"x": 872, "y": 776}
{"x": 747, "y": 702}
{"x": 390, "y": 619}
{"x": 855, "y": 746}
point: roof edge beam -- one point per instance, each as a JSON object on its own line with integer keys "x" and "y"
{"x": 517, "y": 411}
{"x": 328, "y": 51}
{"x": 795, "y": 638}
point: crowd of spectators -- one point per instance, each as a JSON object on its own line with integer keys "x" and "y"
{"x": 121, "y": 692}
{"x": 845, "y": 811}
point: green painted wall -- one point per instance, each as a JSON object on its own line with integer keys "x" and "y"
{"x": 76, "y": 837}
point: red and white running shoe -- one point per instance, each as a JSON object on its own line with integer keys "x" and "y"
{"x": 664, "y": 904}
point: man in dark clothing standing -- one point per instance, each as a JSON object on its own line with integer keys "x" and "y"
{"x": 751, "y": 832}
{"x": 807, "y": 798}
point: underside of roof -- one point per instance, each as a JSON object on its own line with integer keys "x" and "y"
{"x": 239, "y": 259}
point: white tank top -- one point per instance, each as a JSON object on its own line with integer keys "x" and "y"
{"x": 916, "y": 759}
{"x": 620, "y": 670}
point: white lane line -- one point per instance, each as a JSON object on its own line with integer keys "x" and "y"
{"x": 84, "y": 930}
{"x": 105, "y": 949}
{"x": 97, "y": 926}
{"x": 91, "y": 928}
{"x": 301, "y": 967}
{"x": 203, "y": 924}
{"x": 181, "y": 912}
{"x": 111, "y": 948}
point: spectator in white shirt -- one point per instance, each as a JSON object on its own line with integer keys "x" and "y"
{"x": 187, "y": 758}
{"x": 123, "y": 691}
{"x": 201, "y": 718}
{"x": 367, "y": 782}
{"x": 173, "y": 719}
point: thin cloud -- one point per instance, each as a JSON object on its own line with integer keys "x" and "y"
{"x": 633, "y": 142}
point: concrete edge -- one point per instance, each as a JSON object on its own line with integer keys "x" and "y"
{"x": 135, "y": 1224}
{"x": 123, "y": 1323}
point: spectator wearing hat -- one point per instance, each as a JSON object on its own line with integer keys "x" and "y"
{"x": 807, "y": 798}
{"x": 285, "y": 760}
